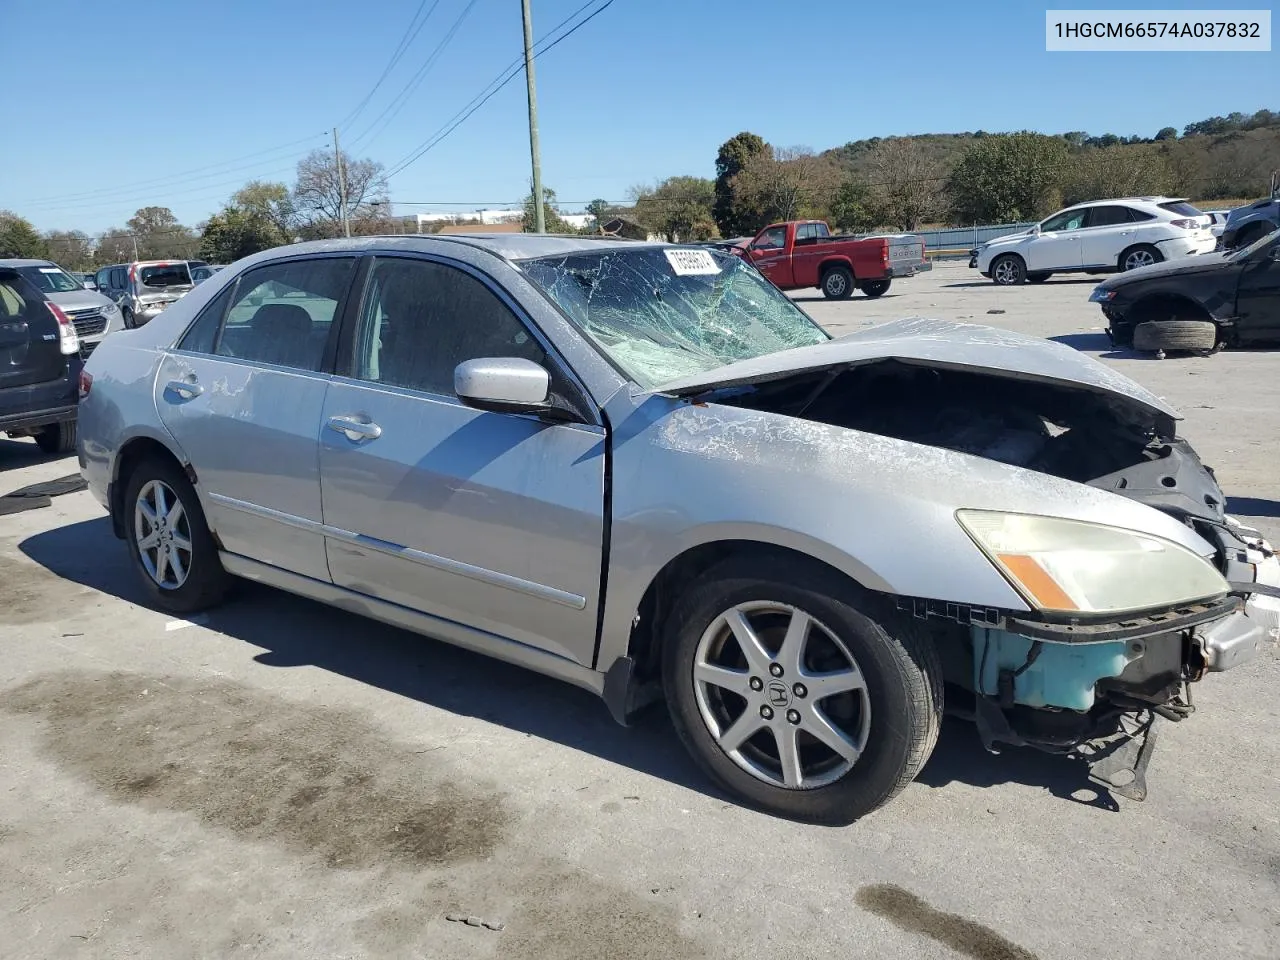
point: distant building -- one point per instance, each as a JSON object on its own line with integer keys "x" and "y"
{"x": 457, "y": 228}
{"x": 481, "y": 216}
{"x": 579, "y": 221}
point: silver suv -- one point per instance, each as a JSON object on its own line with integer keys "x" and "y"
{"x": 92, "y": 314}
{"x": 144, "y": 288}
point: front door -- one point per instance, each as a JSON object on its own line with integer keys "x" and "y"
{"x": 243, "y": 394}
{"x": 1258, "y": 296}
{"x": 769, "y": 253}
{"x": 1058, "y": 245}
{"x": 492, "y": 520}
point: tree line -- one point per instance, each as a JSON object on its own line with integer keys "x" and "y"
{"x": 899, "y": 183}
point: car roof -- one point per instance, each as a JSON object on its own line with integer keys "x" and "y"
{"x": 508, "y": 246}
{"x": 19, "y": 262}
{"x": 1099, "y": 203}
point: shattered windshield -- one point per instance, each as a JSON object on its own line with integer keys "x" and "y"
{"x": 667, "y": 312}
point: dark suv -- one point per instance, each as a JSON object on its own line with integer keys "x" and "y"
{"x": 39, "y": 366}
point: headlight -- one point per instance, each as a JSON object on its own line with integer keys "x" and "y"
{"x": 109, "y": 308}
{"x": 1070, "y": 566}
{"x": 1100, "y": 295}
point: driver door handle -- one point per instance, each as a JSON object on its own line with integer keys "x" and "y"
{"x": 355, "y": 429}
{"x": 186, "y": 389}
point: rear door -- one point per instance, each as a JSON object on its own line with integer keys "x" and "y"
{"x": 243, "y": 393}
{"x": 29, "y": 349}
{"x": 1107, "y": 231}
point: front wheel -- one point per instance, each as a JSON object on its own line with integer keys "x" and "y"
{"x": 169, "y": 539}
{"x": 875, "y": 288}
{"x": 791, "y": 692}
{"x": 837, "y": 283}
{"x": 127, "y": 316}
{"x": 1008, "y": 270}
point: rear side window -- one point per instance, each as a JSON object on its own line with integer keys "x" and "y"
{"x": 282, "y": 313}
{"x": 1108, "y": 216}
{"x": 1181, "y": 208}
{"x": 12, "y": 302}
{"x": 1138, "y": 216}
{"x": 202, "y": 335}
{"x": 820, "y": 230}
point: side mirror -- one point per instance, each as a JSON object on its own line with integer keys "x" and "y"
{"x": 502, "y": 384}
{"x": 1035, "y": 230}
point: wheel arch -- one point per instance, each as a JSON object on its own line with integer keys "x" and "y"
{"x": 133, "y": 452}
{"x": 836, "y": 261}
{"x": 1137, "y": 246}
{"x": 1156, "y": 301}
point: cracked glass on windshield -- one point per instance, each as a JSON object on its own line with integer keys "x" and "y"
{"x": 666, "y": 312}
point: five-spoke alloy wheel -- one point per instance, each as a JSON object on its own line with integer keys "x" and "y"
{"x": 798, "y": 691}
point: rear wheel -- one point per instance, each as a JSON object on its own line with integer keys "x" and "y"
{"x": 1143, "y": 255}
{"x": 1038, "y": 277}
{"x": 875, "y": 288}
{"x": 169, "y": 539}
{"x": 1182, "y": 335}
{"x": 1008, "y": 270}
{"x": 794, "y": 692}
{"x": 837, "y": 283}
{"x": 1253, "y": 234}
{"x": 58, "y": 437}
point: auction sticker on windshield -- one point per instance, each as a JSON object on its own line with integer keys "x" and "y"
{"x": 686, "y": 263}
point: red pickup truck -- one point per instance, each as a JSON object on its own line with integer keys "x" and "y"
{"x": 803, "y": 253}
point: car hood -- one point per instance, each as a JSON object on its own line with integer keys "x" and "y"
{"x": 79, "y": 299}
{"x": 1199, "y": 263}
{"x": 1007, "y": 238}
{"x": 937, "y": 343}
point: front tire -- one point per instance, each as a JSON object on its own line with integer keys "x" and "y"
{"x": 1143, "y": 255}
{"x": 796, "y": 692}
{"x": 58, "y": 438}
{"x": 1192, "y": 336}
{"x": 127, "y": 316}
{"x": 875, "y": 288}
{"x": 1008, "y": 270}
{"x": 169, "y": 539}
{"x": 837, "y": 283}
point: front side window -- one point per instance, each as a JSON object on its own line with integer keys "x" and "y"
{"x": 282, "y": 313}
{"x": 772, "y": 238}
{"x": 420, "y": 319}
{"x": 202, "y": 335}
{"x": 663, "y": 313}
{"x": 1067, "y": 220}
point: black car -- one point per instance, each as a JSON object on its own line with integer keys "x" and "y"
{"x": 1197, "y": 303}
{"x": 39, "y": 366}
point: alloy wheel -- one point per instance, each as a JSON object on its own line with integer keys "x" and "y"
{"x": 162, "y": 533}
{"x": 1006, "y": 272}
{"x": 1138, "y": 258}
{"x": 835, "y": 284}
{"x": 781, "y": 695}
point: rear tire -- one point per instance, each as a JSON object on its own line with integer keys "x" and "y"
{"x": 1038, "y": 277}
{"x": 196, "y": 581}
{"x": 875, "y": 288}
{"x": 837, "y": 283}
{"x": 1142, "y": 255}
{"x": 740, "y": 740}
{"x": 1008, "y": 270}
{"x": 58, "y": 438}
{"x": 1182, "y": 335}
{"x": 1253, "y": 234}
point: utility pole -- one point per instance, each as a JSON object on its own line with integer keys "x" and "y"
{"x": 134, "y": 238}
{"x": 342, "y": 185}
{"x": 539, "y": 218}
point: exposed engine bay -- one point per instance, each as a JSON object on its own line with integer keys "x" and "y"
{"x": 1092, "y": 694}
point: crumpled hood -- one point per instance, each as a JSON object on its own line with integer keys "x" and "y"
{"x": 941, "y": 343}
{"x": 1198, "y": 263}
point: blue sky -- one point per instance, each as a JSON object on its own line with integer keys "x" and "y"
{"x": 178, "y": 104}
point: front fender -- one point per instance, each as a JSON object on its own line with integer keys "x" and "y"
{"x": 879, "y": 509}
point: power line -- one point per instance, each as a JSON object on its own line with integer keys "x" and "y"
{"x": 406, "y": 93}
{"x": 501, "y": 81}
{"x": 182, "y": 175}
{"x": 410, "y": 34}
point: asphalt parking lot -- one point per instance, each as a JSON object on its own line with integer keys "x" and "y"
{"x": 280, "y": 779}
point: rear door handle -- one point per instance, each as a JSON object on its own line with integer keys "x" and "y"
{"x": 355, "y": 430}
{"x": 186, "y": 389}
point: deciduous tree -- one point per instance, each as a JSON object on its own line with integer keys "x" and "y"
{"x": 18, "y": 238}
{"x": 318, "y": 194}
{"x": 679, "y": 208}
{"x": 786, "y": 184}
{"x": 1009, "y": 177}
{"x": 70, "y": 249}
{"x": 729, "y": 211}
{"x": 908, "y": 184}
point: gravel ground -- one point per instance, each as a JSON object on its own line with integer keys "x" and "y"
{"x": 280, "y": 779}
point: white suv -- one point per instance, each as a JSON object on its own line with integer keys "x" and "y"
{"x": 1098, "y": 237}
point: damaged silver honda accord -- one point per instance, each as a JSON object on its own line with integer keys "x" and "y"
{"x": 642, "y": 469}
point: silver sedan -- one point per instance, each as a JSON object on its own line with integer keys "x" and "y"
{"x": 642, "y": 469}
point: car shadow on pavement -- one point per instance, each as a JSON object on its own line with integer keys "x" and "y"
{"x": 16, "y": 454}
{"x": 1100, "y": 343}
{"x": 291, "y": 631}
{"x": 819, "y": 298}
{"x": 960, "y": 758}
